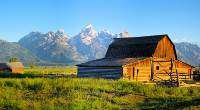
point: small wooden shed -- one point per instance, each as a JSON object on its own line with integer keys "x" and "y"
{"x": 14, "y": 67}
{"x": 146, "y": 58}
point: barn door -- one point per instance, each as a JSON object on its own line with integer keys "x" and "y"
{"x": 162, "y": 69}
{"x": 133, "y": 73}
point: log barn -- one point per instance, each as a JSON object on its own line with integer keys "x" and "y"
{"x": 147, "y": 58}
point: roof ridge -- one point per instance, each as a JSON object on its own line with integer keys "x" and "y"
{"x": 132, "y": 37}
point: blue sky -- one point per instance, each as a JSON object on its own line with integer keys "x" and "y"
{"x": 178, "y": 18}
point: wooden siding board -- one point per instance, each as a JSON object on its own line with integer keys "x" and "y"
{"x": 164, "y": 64}
{"x": 99, "y": 72}
{"x": 165, "y": 49}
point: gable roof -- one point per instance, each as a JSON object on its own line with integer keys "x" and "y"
{"x": 110, "y": 62}
{"x": 4, "y": 66}
{"x": 144, "y": 46}
{"x": 16, "y": 65}
{"x": 11, "y": 65}
{"x": 185, "y": 63}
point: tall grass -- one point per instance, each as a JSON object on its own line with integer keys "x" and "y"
{"x": 81, "y": 94}
{"x": 51, "y": 70}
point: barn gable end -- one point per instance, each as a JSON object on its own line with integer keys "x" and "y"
{"x": 165, "y": 49}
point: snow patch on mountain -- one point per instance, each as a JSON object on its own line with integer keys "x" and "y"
{"x": 88, "y": 34}
{"x": 89, "y": 44}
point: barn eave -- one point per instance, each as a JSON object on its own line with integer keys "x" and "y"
{"x": 110, "y": 62}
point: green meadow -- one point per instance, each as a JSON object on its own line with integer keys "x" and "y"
{"x": 51, "y": 70}
{"x": 29, "y": 91}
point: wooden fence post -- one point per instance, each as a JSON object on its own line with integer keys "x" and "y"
{"x": 152, "y": 69}
{"x": 178, "y": 82}
{"x": 171, "y": 72}
{"x": 137, "y": 75}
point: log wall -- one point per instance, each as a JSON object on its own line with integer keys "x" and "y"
{"x": 141, "y": 71}
{"x": 100, "y": 72}
{"x": 18, "y": 70}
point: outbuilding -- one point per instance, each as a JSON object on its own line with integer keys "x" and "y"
{"x": 14, "y": 67}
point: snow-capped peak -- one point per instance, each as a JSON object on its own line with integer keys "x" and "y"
{"x": 105, "y": 32}
{"x": 87, "y": 34}
{"x": 33, "y": 35}
{"x": 61, "y": 33}
{"x": 50, "y": 33}
{"x": 89, "y": 29}
{"x": 89, "y": 26}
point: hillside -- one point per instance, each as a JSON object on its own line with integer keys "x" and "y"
{"x": 9, "y": 50}
{"x": 188, "y": 52}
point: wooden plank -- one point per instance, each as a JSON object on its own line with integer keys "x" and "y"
{"x": 143, "y": 68}
{"x": 143, "y": 79}
{"x": 100, "y": 70}
{"x": 141, "y": 75}
{"x": 165, "y": 49}
{"x": 115, "y": 76}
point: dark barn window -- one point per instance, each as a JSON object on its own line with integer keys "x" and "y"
{"x": 157, "y": 67}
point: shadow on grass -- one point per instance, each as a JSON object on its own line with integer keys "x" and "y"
{"x": 168, "y": 103}
{"x": 28, "y": 75}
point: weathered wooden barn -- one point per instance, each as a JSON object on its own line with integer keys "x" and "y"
{"x": 146, "y": 58}
{"x": 14, "y": 67}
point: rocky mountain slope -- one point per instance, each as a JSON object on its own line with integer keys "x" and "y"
{"x": 51, "y": 46}
{"x": 58, "y": 47}
{"x": 9, "y": 50}
{"x": 188, "y": 52}
{"x": 89, "y": 44}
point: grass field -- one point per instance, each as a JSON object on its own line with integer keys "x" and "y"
{"x": 51, "y": 70}
{"x": 86, "y": 94}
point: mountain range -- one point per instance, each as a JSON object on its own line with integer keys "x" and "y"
{"x": 58, "y": 48}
